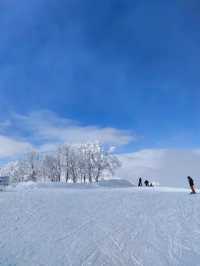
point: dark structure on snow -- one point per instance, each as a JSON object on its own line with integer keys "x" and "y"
{"x": 4, "y": 180}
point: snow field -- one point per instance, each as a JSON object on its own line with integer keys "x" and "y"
{"x": 100, "y": 226}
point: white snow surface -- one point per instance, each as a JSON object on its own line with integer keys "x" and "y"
{"x": 73, "y": 225}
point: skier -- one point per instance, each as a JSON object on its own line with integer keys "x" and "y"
{"x": 191, "y": 183}
{"x": 140, "y": 182}
{"x": 146, "y": 183}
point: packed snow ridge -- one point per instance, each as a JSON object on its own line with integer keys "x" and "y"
{"x": 69, "y": 224}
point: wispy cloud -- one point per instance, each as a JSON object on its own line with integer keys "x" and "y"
{"x": 11, "y": 147}
{"x": 5, "y": 124}
{"x": 45, "y": 130}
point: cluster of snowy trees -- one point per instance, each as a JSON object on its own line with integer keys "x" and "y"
{"x": 70, "y": 163}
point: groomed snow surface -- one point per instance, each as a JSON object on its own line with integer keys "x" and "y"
{"x": 59, "y": 224}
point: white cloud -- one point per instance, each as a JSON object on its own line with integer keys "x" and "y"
{"x": 49, "y": 128}
{"x": 11, "y": 147}
{"x": 45, "y": 131}
{"x": 168, "y": 167}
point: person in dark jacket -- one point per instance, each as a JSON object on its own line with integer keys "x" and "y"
{"x": 140, "y": 182}
{"x": 146, "y": 182}
{"x": 191, "y": 183}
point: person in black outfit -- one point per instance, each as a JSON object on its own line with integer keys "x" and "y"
{"x": 140, "y": 182}
{"x": 191, "y": 183}
{"x": 146, "y": 183}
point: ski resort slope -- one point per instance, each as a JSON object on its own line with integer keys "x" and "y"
{"x": 99, "y": 226}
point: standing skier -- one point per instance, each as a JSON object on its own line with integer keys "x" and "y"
{"x": 191, "y": 183}
{"x": 140, "y": 182}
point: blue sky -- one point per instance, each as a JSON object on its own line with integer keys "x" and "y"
{"x": 123, "y": 66}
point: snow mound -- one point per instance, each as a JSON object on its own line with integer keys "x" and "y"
{"x": 111, "y": 183}
{"x": 115, "y": 183}
{"x": 29, "y": 185}
{"x": 60, "y": 185}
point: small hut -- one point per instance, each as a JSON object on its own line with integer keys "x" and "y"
{"x": 4, "y": 180}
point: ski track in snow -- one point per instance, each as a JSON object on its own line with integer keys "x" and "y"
{"x": 55, "y": 226}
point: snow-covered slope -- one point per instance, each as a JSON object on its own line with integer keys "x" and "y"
{"x": 115, "y": 183}
{"x": 69, "y": 226}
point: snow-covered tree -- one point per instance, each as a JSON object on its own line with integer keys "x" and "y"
{"x": 73, "y": 163}
{"x": 29, "y": 166}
